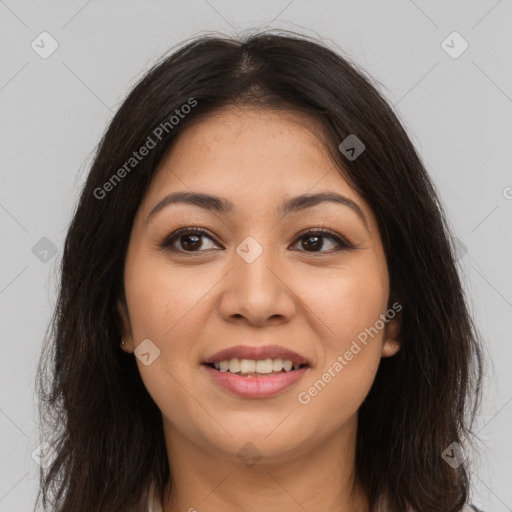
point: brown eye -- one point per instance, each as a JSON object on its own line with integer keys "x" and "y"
{"x": 191, "y": 240}
{"x": 187, "y": 240}
{"x": 313, "y": 241}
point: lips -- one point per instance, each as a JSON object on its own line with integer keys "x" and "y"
{"x": 257, "y": 353}
{"x": 255, "y": 387}
{"x": 260, "y": 384}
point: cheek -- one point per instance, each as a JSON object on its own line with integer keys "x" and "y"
{"x": 347, "y": 301}
{"x": 349, "y": 305}
{"x": 162, "y": 299}
{"x": 350, "y": 352}
{"x": 162, "y": 304}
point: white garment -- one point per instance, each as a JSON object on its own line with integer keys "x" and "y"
{"x": 154, "y": 504}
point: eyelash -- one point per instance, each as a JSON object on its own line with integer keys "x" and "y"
{"x": 342, "y": 243}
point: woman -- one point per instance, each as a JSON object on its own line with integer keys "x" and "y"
{"x": 259, "y": 306}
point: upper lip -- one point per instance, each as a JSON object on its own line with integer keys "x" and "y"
{"x": 257, "y": 353}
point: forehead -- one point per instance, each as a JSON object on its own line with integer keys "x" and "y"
{"x": 251, "y": 152}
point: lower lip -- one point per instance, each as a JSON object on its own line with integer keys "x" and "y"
{"x": 255, "y": 387}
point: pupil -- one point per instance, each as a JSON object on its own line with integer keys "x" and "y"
{"x": 315, "y": 244}
{"x": 190, "y": 246}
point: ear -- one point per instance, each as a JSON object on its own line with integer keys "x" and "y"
{"x": 125, "y": 325}
{"x": 391, "y": 343}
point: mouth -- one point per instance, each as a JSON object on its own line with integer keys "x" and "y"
{"x": 262, "y": 359}
{"x": 251, "y": 368}
{"x": 256, "y": 372}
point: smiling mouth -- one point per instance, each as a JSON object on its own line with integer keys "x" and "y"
{"x": 256, "y": 368}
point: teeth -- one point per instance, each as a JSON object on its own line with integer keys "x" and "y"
{"x": 247, "y": 365}
{"x": 277, "y": 364}
{"x": 287, "y": 365}
{"x": 236, "y": 365}
{"x": 264, "y": 366}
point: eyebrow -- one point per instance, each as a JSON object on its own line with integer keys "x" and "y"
{"x": 224, "y": 206}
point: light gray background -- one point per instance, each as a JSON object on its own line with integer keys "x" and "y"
{"x": 54, "y": 110}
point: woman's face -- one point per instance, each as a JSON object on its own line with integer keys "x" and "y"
{"x": 255, "y": 280}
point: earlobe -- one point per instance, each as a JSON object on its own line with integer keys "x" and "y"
{"x": 390, "y": 347}
{"x": 391, "y": 344}
{"x": 125, "y": 327}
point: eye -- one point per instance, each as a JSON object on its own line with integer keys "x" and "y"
{"x": 313, "y": 240}
{"x": 188, "y": 238}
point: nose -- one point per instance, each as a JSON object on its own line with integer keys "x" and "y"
{"x": 258, "y": 291}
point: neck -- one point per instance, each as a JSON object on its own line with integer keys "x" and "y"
{"x": 314, "y": 478}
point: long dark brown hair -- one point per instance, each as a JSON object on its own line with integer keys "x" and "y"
{"x": 94, "y": 408}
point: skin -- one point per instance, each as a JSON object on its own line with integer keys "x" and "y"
{"x": 311, "y": 300}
